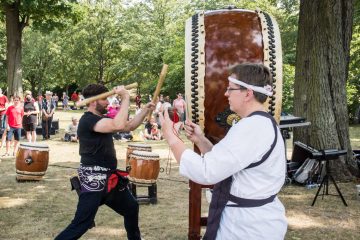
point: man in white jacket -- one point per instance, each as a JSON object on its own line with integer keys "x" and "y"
{"x": 247, "y": 166}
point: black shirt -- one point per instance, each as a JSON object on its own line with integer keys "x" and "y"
{"x": 29, "y": 107}
{"x": 95, "y": 148}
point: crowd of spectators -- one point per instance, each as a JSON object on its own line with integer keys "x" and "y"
{"x": 177, "y": 111}
{"x": 17, "y": 114}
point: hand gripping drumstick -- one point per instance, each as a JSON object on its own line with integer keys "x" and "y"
{"x": 104, "y": 95}
{"x": 158, "y": 87}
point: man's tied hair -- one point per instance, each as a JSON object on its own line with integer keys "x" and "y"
{"x": 93, "y": 90}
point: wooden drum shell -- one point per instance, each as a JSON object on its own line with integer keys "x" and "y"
{"x": 135, "y": 147}
{"x": 145, "y": 167}
{"x": 31, "y": 161}
{"x": 215, "y": 41}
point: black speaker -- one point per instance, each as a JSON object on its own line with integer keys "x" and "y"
{"x": 301, "y": 152}
{"x": 55, "y": 124}
{"x": 38, "y": 130}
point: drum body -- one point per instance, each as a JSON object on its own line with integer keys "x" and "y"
{"x": 31, "y": 161}
{"x": 215, "y": 41}
{"x": 135, "y": 147}
{"x": 145, "y": 167}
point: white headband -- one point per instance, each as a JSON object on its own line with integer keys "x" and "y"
{"x": 267, "y": 90}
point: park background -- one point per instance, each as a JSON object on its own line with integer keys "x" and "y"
{"x": 64, "y": 45}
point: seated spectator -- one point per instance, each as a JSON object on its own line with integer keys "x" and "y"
{"x": 151, "y": 131}
{"x": 71, "y": 131}
{"x": 155, "y": 132}
{"x": 148, "y": 126}
{"x": 126, "y": 136}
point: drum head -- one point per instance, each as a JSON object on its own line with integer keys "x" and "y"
{"x": 145, "y": 155}
{"x": 139, "y": 146}
{"x": 35, "y": 146}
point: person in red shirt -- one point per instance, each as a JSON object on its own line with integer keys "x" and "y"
{"x": 138, "y": 100}
{"x": 14, "y": 115}
{"x": 3, "y": 102}
{"x": 74, "y": 97}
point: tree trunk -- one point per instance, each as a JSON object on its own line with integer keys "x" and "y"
{"x": 322, "y": 60}
{"x": 13, "y": 35}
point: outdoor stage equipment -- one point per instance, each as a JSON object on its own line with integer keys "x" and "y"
{"x": 214, "y": 41}
{"x": 324, "y": 156}
{"x": 303, "y": 151}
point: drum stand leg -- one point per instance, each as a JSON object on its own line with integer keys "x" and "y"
{"x": 152, "y": 193}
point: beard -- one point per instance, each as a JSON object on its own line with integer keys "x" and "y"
{"x": 100, "y": 108}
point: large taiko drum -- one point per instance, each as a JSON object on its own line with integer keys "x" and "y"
{"x": 145, "y": 167}
{"x": 135, "y": 147}
{"x": 216, "y": 40}
{"x": 31, "y": 161}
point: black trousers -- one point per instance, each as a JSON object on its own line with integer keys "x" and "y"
{"x": 121, "y": 202}
{"x": 46, "y": 127}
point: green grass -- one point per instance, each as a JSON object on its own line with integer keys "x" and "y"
{"x": 40, "y": 210}
{"x": 355, "y": 136}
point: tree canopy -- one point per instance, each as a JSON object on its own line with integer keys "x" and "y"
{"x": 119, "y": 42}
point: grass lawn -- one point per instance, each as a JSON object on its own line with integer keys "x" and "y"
{"x": 40, "y": 210}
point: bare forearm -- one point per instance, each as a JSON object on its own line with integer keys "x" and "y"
{"x": 204, "y": 145}
{"x": 177, "y": 147}
{"x": 138, "y": 119}
{"x": 120, "y": 119}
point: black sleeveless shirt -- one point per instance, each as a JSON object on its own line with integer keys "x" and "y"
{"x": 29, "y": 107}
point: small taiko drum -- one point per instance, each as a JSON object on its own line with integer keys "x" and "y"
{"x": 31, "y": 161}
{"x": 145, "y": 167}
{"x": 135, "y": 147}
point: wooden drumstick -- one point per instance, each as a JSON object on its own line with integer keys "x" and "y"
{"x": 158, "y": 87}
{"x": 104, "y": 95}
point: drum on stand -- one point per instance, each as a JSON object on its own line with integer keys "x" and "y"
{"x": 31, "y": 161}
{"x": 145, "y": 167}
{"x": 215, "y": 41}
{"x": 135, "y": 147}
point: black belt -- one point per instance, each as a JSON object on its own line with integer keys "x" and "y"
{"x": 247, "y": 203}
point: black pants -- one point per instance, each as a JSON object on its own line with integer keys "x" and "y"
{"x": 67, "y": 137}
{"x": 46, "y": 127}
{"x": 121, "y": 202}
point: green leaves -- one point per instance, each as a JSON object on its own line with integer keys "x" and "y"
{"x": 120, "y": 42}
